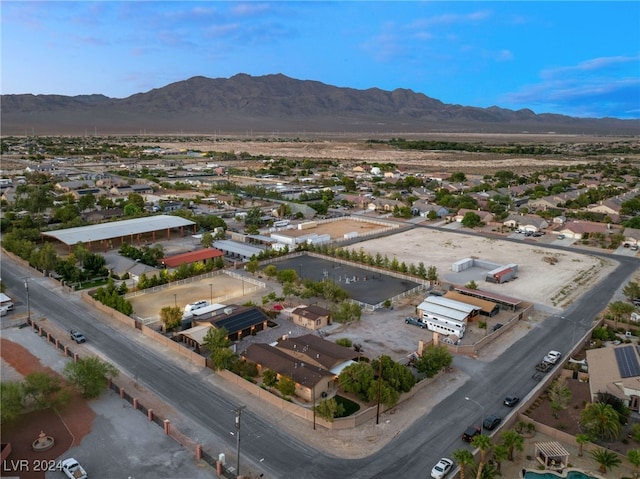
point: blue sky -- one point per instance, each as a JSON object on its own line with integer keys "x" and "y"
{"x": 575, "y": 58}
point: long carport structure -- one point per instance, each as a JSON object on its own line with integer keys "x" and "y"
{"x": 131, "y": 230}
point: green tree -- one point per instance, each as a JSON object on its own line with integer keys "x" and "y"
{"x": 633, "y": 456}
{"x": 171, "y": 317}
{"x": 500, "y": 454}
{"x": 471, "y": 219}
{"x": 136, "y": 199}
{"x": 207, "y": 239}
{"x": 472, "y": 285}
{"x": 483, "y": 443}
{"x": 253, "y": 220}
{"x": 347, "y": 312}
{"x": 464, "y": 458}
{"x": 513, "y": 441}
{"x": 581, "y": 440}
{"x": 42, "y": 391}
{"x": 217, "y": 342}
{"x": 458, "y": 177}
{"x": 329, "y": 409}
{"x": 87, "y": 202}
{"x": 286, "y": 386}
{"x": 269, "y": 378}
{"x": 606, "y": 459}
{"x": 270, "y": 271}
{"x": 287, "y": 275}
{"x": 90, "y": 375}
{"x": 11, "y": 400}
{"x": 600, "y": 420}
{"x": 619, "y": 310}
{"x": 433, "y": 359}
{"x": 559, "y": 395}
{"x": 632, "y": 290}
{"x": 357, "y": 379}
{"x": 252, "y": 266}
{"x": 432, "y": 274}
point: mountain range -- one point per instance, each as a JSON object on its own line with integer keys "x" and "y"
{"x": 277, "y": 104}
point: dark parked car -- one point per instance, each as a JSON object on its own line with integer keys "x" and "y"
{"x": 496, "y": 326}
{"x": 511, "y": 401}
{"x": 470, "y": 433}
{"x": 491, "y": 422}
{"x": 414, "y": 321}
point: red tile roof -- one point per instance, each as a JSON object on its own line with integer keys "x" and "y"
{"x": 191, "y": 257}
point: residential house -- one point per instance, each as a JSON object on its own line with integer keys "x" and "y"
{"x": 615, "y": 370}
{"x": 582, "y": 229}
{"x": 384, "y": 204}
{"x": 311, "y": 317}
{"x": 532, "y": 223}
{"x": 485, "y": 216}
{"x": 311, "y": 381}
{"x": 422, "y": 208}
{"x": 632, "y": 236}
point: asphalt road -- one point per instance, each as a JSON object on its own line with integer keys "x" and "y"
{"x": 279, "y": 455}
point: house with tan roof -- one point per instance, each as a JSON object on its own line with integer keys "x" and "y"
{"x": 485, "y": 216}
{"x": 615, "y": 370}
{"x": 311, "y": 317}
{"x": 582, "y": 229}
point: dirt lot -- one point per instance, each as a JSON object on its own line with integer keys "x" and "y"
{"x": 217, "y": 289}
{"x": 538, "y": 281}
{"x": 337, "y": 229}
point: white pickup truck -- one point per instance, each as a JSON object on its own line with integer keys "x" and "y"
{"x": 73, "y": 469}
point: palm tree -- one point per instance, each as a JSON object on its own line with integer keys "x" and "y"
{"x": 483, "y": 443}
{"x": 605, "y": 458}
{"x": 633, "y": 456}
{"x": 600, "y": 420}
{"x": 500, "y": 453}
{"x": 512, "y": 441}
{"x": 559, "y": 395}
{"x": 619, "y": 309}
{"x": 489, "y": 471}
{"x": 464, "y": 459}
{"x": 582, "y": 439}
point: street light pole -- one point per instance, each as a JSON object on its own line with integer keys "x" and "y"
{"x": 238, "y": 412}
{"x": 481, "y": 407}
{"x": 26, "y": 286}
{"x": 211, "y": 292}
{"x": 175, "y": 299}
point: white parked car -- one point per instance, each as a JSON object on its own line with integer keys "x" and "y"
{"x": 73, "y": 469}
{"x": 441, "y": 469}
{"x": 552, "y": 357}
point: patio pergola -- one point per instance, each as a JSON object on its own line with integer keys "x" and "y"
{"x": 552, "y": 455}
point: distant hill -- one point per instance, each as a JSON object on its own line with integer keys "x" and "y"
{"x": 277, "y": 103}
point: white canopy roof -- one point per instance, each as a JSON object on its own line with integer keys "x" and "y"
{"x": 117, "y": 229}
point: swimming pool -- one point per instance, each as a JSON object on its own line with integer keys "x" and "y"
{"x": 551, "y": 475}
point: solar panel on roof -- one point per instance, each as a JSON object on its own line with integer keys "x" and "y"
{"x": 627, "y": 362}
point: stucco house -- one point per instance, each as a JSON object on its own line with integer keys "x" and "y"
{"x": 615, "y": 370}
{"x": 311, "y": 317}
{"x": 485, "y": 216}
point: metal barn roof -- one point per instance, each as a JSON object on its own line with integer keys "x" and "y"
{"x": 117, "y": 229}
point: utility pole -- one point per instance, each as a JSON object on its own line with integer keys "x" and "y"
{"x": 238, "y": 413}
{"x": 379, "y": 389}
